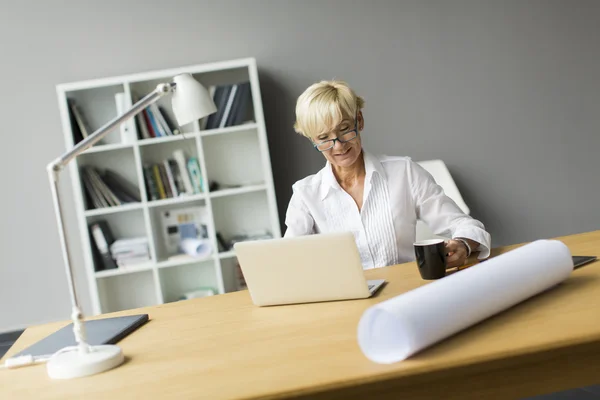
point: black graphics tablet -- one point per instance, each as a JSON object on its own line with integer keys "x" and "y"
{"x": 99, "y": 331}
{"x": 580, "y": 261}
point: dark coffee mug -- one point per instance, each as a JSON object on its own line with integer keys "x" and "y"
{"x": 431, "y": 258}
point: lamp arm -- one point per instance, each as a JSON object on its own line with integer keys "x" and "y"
{"x": 56, "y": 166}
{"x": 161, "y": 90}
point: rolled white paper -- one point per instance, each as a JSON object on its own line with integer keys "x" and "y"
{"x": 397, "y": 328}
{"x": 196, "y": 247}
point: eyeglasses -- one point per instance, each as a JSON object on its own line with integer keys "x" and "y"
{"x": 343, "y": 138}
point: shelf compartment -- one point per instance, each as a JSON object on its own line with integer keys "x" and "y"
{"x": 140, "y": 89}
{"x": 177, "y": 281}
{"x": 121, "y": 226}
{"x": 126, "y": 225}
{"x": 127, "y": 291}
{"x": 120, "y": 161}
{"x": 98, "y": 106}
{"x": 234, "y": 159}
{"x": 232, "y": 275}
{"x": 244, "y": 214}
{"x": 163, "y": 248}
{"x": 156, "y": 155}
{"x": 211, "y": 80}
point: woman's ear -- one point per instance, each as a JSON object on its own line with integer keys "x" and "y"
{"x": 360, "y": 121}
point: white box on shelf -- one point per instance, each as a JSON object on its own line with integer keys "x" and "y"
{"x": 128, "y": 134}
{"x": 184, "y": 223}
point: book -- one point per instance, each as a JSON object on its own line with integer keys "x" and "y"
{"x": 182, "y": 165}
{"x": 142, "y": 128}
{"x": 154, "y": 123}
{"x": 204, "y": 121}
{"x": 240, "y": 107}
{"x": 101, "y": 187}
{"x": 75, "y": 125}
{"x": 160, "y": 120}
{"x": 195, "y": 176}
{"x": 123, "y": 189}
{"x": 177, "y": 177}
{"x": 95, "y": 200}
{"x": 165, "y": 181}
{"x": 102, "y": 237}
{"x": 170, "y": 179}
{"x": 151, "y": 185}
{"x": 107, "y": 189}
{"x": 149, "y": 126}
{"x": 80, "y": 120}
{"x": 173, "y": 127}
{"x": 228, "y": 105}
{"x": 220, "y": 100}
{"x": 210, "y": 120}
{"x": 173, "y": 177}
{"x": 162, "y": 194}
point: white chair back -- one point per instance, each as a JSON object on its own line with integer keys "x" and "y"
{"x": 439, "y": 171}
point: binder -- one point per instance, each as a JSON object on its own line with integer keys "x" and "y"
{"x": 102, "y": 238}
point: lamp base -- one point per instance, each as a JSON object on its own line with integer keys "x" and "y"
{"x": 75, "y": 364}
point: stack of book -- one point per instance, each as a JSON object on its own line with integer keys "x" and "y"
{"x": 174, "y": 177}
{"x": 128, "y": 252}
{"x": 153, "y": 122}
{"x": 107, "y": 189}
{"x": 232, "y": 103}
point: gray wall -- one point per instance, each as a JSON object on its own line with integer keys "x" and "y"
{"x": 506, "y": 92}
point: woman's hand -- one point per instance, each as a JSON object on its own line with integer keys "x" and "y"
{"x": 456, "y": 253}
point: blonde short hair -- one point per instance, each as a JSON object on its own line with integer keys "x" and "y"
{"x": 324, "y": 105}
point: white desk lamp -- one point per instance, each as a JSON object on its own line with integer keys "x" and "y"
{"x": 190, "y": 102}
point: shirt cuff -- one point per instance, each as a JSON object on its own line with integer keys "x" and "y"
{"x": 480, "y": 236}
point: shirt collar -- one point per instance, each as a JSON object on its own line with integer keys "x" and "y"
{"x": 328, "y": 180}
{"x": 373, "y": 164}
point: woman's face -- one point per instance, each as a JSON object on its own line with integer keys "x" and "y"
{"x": 345, "y": 139}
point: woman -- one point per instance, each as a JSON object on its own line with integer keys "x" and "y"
{"x": 379, "y": 199}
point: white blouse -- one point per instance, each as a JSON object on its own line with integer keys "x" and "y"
{"x": 397, "y": 193}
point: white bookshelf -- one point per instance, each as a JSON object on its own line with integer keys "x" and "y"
{"x": 236, "y": 155}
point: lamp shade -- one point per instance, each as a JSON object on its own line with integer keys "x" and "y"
{"x": 191, "y": 101}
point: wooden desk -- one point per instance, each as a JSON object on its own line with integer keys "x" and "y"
{"x": 224, "y": 347}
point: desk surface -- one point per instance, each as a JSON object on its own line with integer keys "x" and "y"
{"x": 225, "y": 347}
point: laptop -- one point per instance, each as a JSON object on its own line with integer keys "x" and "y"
{"x": 304, "y": 269}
